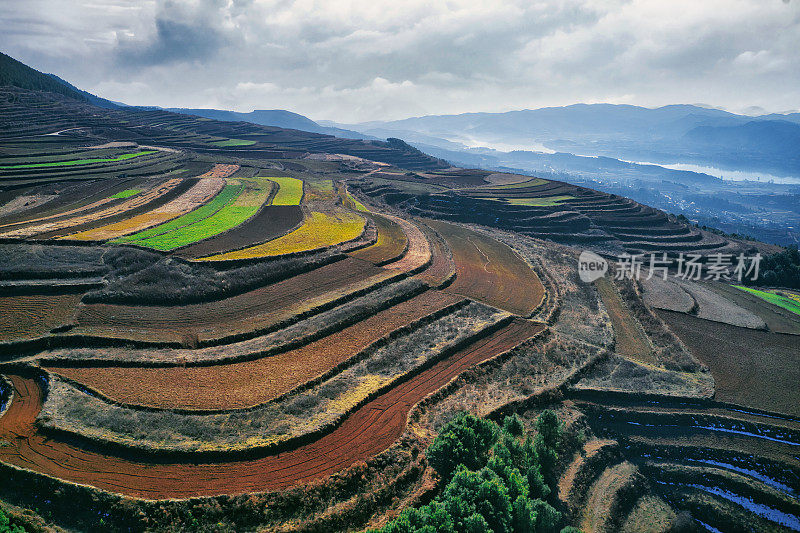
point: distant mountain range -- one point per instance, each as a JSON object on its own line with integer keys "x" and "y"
{"x": 587, "y": 145}
{"x": 274, "y": 117}
{"x": 665, "y": 135}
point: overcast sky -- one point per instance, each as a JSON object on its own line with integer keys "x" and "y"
{"x": 358, "y": 60}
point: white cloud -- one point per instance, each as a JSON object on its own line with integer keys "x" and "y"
{"x": 370, "y": 59}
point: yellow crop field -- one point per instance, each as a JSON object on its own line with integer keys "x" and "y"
{"x": 319, "y": 230}
{"x": 290, "y": 192}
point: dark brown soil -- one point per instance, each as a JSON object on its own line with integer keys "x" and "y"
{"x": 271, "y": 222}
{"x": 751, "y": 368}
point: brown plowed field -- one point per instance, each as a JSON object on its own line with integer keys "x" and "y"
{"x": 367, "y": 431}
{"x": 257, "y": 309}
{"x": 391, "y": 243}
{"x": 442, "y": 268}
{"x": 34, "y": 315}
{"x": 250, "y": 383}
{"x": 489, "y": 271}
{"x": 221, "y": 171}
{"x": 630, "y": 339}
{"x": 752, "y": 368}
{"x": 269, "y": 223}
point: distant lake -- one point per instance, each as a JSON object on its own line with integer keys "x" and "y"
{"x": 732, "y": 175}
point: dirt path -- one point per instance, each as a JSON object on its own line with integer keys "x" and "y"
{"x": 366, "y": 432}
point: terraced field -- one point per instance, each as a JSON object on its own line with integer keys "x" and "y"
{"x": 256, "y": 310}
{"x": 228, "y": 193}
{"x": 756, "y": 369}
{"x": 70, "y": 224}
{"x": 34, "y": 315}
{"x": 368, "y": 430}
{"x": 197, "y": 196}
{"x": 490, "y": 271}
{"x": 69, "y": 163}
{"x": 245, "y": 384}
{"x": 391, "y": 244}
{"x": 290, "y": 191}
{"x": 250, "y": 195}
{"x": 319, "y": 230}
{"x": 788, "y": 301}
{"x": 196, "y": 308}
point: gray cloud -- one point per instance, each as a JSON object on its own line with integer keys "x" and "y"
{"x": 367, "y": 59}
{"x": 182, "y": 32}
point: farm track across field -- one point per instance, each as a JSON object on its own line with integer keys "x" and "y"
{"x": 489, "y": 271}
{"x": 240, "y": 385}
{"x": 367, "y": 431}
{"x": 253, "y": 310}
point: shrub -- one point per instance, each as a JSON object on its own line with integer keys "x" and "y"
{"x": 7, "y": 525}
{"x": 464, "y": 440}
{"x": 501, "y": 493}
{"x": 141, "y": 277}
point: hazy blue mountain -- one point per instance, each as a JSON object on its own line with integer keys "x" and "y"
{"x": 273, "y": 117}
{"x": 669, "y": 134}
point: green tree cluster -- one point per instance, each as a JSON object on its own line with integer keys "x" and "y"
{"x": 779, "y": 270}
{"x": 497, "y": 479}
{"x": 7, "y": 525}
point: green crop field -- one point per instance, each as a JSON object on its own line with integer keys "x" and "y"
{"x": 544, "y": 201}
{"x": 290, "y": 192}
{"x": 246, "y": 204}
{"x": 225, "y": 196}
{"x": 788, "y": 303}
{"x": 74, "y": 162}
{"x": 233, "y": 142}
{"x": 358, "y": 206}
{"x": 530, "y": 183}
{"x": 127, "y": 193}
